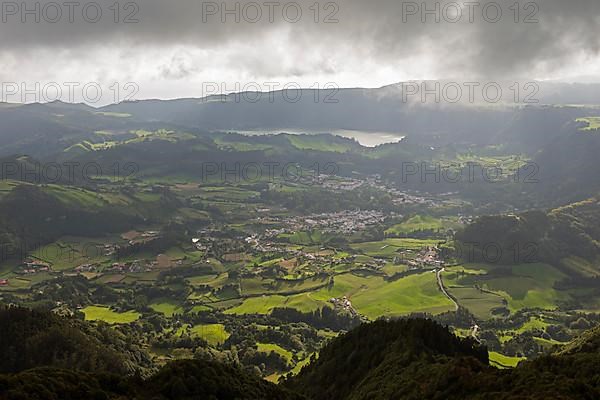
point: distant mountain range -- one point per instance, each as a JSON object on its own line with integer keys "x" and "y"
{"x": 552, "y": 137}
{"x": 395, "y": 108}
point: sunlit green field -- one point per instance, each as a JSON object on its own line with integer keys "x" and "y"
{"x": 416, "y": 224}
{"x": 100, "y": 313}
{"x": 593, "y": 123}
{"x": 320, "y": 143}
{"x": 481, "y": 304}
{"x": 522, "y": 286}
{"x": 166, "y": 307}
{"x": 390, "y": 247}
{"x": 371, "y": 296}
{"x": 502, "y": 361}
{"x": 265, "y": 304}
{"x": 268, "y": 348}
{"x": 70, "y": 252}
{"x": 214, "y": 334}
{"x": 416, "y": 293}
{"x": 374, "y": 297}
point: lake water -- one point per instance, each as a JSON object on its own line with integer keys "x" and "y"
{"x": 367, "y": 139}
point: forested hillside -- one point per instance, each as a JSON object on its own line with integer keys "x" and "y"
{"x": 50, "y": 357}
{"x": 418, "y": 359}
{"x": 569, "y": 231}
{"x": 32, "y": 339}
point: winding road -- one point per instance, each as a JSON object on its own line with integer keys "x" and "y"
{"x": 438, "y": 274}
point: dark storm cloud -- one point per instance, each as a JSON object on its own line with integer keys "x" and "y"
{"x": 547, "y": 33}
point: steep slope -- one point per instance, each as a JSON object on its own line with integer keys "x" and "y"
{"x": 418, "y": 359}
{"x": 563, "y": 232}
{"x": 397, "y": 359}
{"x": 568, "y": 166}
{"x": 182, "y": 380}
{"x": 588, "y": 343}
{"x": 49, "y": 357}
{"x": 32, "y": 339}
{"x": 403, "y": 359}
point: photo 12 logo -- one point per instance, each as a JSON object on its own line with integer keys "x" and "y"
{"x": 269, "y": 12}
{"x": 469, "y": 12}
{"x": 270, "y": 172}
{"x": 272, "y": 92}
{"x": 70, "y": 172}
{"x": 56, "y": 252}
{"x": 69, "y": 92}
{"x": 497, "y": 253}
{"x": 471, "y": 172}
{"x": 70, "y": 12}
{"x": 429, "y": 92}
{"x": 72, "y": 252}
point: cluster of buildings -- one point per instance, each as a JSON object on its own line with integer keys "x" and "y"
{"x": 374, "y": 181}
{"x": 144, "y": 237}
{"x": 427, "y": 257}
{"x": 344, "y": 304}
{"x": 347, "y": 222}
{"x": 32, "y": 267}
{"x": 399, "y": 197}
{"x": 87, "y": 268}
{"x": 337, "y": 183}
{"x": 344, "y": 221}
{"x": 465, "y": 219}
{"x": 136, "y": 266}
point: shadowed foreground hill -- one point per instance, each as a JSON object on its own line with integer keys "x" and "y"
{"x": 180, "y": 380}
{"x": 32, "y": 339}
{"x": 419, "y": 359}
{"x": 48, "y": 357}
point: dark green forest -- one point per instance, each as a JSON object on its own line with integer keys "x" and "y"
{"x": 51, "y": 357}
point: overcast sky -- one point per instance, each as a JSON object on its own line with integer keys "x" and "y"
{"x": 182, "y": 48}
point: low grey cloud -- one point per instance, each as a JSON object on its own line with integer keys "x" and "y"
{"x": 179, "y": 67}
{"x": 264, "y": 40}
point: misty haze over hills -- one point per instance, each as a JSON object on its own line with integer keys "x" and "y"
{"x": 342, "y": 200}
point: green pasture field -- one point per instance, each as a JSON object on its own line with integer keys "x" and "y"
{"x": 253, "y": 286}
{"x": 214, "y": 334}
{"x": 166, "y": 307}
{"x": 416, "y": 293}
{"x": 477, "y": 302}
{"x": 212, "y": 280}
{"x": 75, "y": 197}
{"x": 265, "y": 304}
{"x": 502, "y": 361}
{"x": 228, "y": 193}
{"x": 268, "y": 348}
{"x": 507, "y": 163}
{"x": 391, "y": 269}
{"x": 374, "y": 297}
{"x": 7, "y": 186}
{"x": 240, "y": 145}
{"x": 200, "y": 308}
{"x": 416, "y": 224}
{"x": 534, "y": 323}
{"x": 523, "y": 285}
{"x": 102, "y": 313}
{"x": 389, "y": 248}
{"x": 580, "y": 266}
{"x": 70, "y": 252}
{"x": 320, "y": 143}
{"x": 593, "y": 123}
